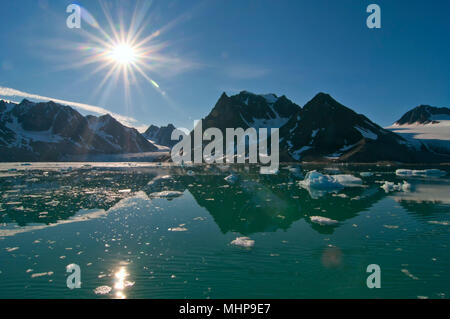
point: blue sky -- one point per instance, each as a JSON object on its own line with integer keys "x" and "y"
{"x": 296, "y": 48}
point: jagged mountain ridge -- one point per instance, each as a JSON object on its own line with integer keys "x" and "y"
{"x": 424, "y": 114}
{"x": 161, "y": 135}
{"x": 52, "y": 132}
{"x": 323, "y": 130}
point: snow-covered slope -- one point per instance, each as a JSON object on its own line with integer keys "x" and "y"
{"x": 426, "y": 126}
{"x": 50, "y": 132}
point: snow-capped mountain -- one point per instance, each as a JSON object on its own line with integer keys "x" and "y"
{"x": 425, "y": 114}
{"x": 250, "y": 110}
{"x": 50, "y": 132}
{"x": 323, "y": 130}
{"x": 426, "y": 126}
{"x": 160, "y": 135}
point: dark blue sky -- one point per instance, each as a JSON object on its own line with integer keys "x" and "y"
{"x": 296, "y": 48}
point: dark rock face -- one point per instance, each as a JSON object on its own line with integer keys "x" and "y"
{"x": 51, "y": 132}
{"x": 424, "y": 114}
{"x": 161, "y": 135}
{"x": 250, "y": 110}
{"x": 323, "y": 130}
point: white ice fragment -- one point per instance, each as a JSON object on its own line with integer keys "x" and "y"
{"x": 50, "y": 273}
{"x": 366, "y": 174}
{"x": 348, "y": 180}
{"x": 243, "y": 242}
{"x": 166, "y": 194}
{"x": 178, "y": 229}
{"x": 323, "y": 220}
{"x": 436, "y": 222}
{"x": 231, "y": 178}
{"x": 392, "y": 187}
{"x": 422, "y": 173}
{"x": 317, "y": 180}
{"x": 102, "y": 290}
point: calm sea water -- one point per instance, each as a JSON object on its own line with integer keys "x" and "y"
{"x": 132, "y": 242}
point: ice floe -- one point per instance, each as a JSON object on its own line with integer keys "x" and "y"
{"x": 421, "y": 173}
{"x": 323, "y": 221}
{"x": 407, "y": 273}
{"x": 436, "y": 222}
{"x": 50, "y": 273}
{"x": 102, "y": 290}
{"x": 392, "y": 187}
{"x": 178, "y": 229}
{"x": 166, "y": 194}
{"x": 243, "y": 242}
{"x": 366, "y": 174}
{"x": 231, "y": 178}
{"x": 318, "y": 184}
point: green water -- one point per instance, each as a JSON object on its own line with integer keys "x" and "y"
{"x": 106, "y": 220}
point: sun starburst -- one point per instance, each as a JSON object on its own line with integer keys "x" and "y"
{"x": 121, "y": 51}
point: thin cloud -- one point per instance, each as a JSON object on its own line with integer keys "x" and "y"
{"x": 126, "y": 120}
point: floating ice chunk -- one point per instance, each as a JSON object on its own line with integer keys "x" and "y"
{"x": 102, "y": 290}
{"x": 366, "y": 174}
{"x": 178, "y": 229}
{"x": 269, "y": 171}
{"x": 436, "y": 222}
{"x": 166, "y": 194}
{"x": 423, "y": 172}
{"x": 323, "y": 220}
{"x": 392, "y": 187}
{"x": 50, "y": 273}
{"x": 243, "y": 242}
{"x": 407, "y": 273}
{"x": 348, "y": 180}
{"x": 160, "y": 179}
{"x": 231, "y": 178}
{"x": 317, "y": 180}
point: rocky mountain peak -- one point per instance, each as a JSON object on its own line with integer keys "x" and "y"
{"x": 424, "y": 114}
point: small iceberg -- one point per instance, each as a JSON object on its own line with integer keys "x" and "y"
{"x": 366, "y": 174}
{"x": 317, "y": 180}
{"x": 392, "y": 187}
{"x": 102, "y": 290}
{"x": 177, "y": 229}
{"x": 318, "y": 184}
{"x": 166, "y": 194}
{"x": 323, "y": 221}
{"x": 421, "y": 173}
{"x": 243, "y": 242}
{"x": 231, "y": 178}
{"x": 348, "y": 180}
{"x": 160, "y": 179}
{"x": 436, "y": 222}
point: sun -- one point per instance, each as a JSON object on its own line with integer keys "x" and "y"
{"x": 123, "y": 54}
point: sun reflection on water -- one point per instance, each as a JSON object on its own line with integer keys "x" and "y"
{"x": 121, "y": 283}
